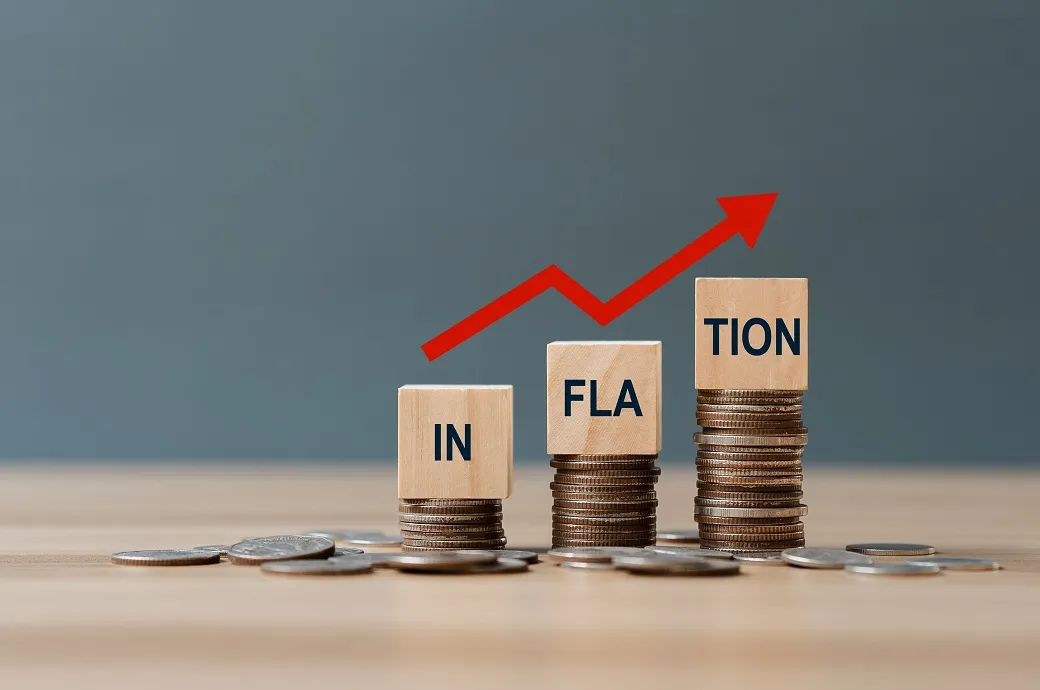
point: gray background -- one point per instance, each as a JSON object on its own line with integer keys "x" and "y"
{"x": 226, "y": 227}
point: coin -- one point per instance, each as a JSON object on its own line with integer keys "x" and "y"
{"x": 607, "y": 511}
{"x": 604, "y": 505}
{"x": 525, "y": 556}
{"x": 219, "y": 548}
{"x": 892, "y": 549}
{"x": 468, "y": 544}
{"x": 762, "y": 441}
{"x": 450, "y": 528}
{"x": 166, "y": 557}
{"x": 789, "y": 465}
{"x": 893, "y": 569}
{"x": 439, "y": 560}
{"x": 586, "y": 565}
{"x": 502, "y": 565}
{"x": 317, "y": 567}
{"x": 345, "y": 551}
{"x": 750, "y": 495}
{"x": 722, "y": 503}
{"x": 753, "y": 546}
{"x": 430, "y": 519}
{"x": 369, "y": 538}
{"x": 588, "y": 465}
{"x": 795, "y": 511}
{"x": 950, "y": 563}
{"x": 422, "y": 509}
{"x": 767, "y": 455}
{"x": 589, "y": 554}
{"x": 679, "y": 536}
{"x": 789, "y": 480}
{"x": 748, "y": 471}
{"x": 280, "y": 548}
{"x": 595, "y": 482}
{"x": 619, "y": 529}
{"x": 645, "y": 473}
{"x": 376, "y": 560}
{"x": 604, "y": 520}
{"x": 731, "y": 408}
{"x": 752, "y": 536}
{"x": 689, "y": 551}
{"x": 759, "y": 558}
{"x": 455, "y": 503}
{"x": 823, "y": 558}
{"x": 718, "y": 424}
{"x": 712, "y": 530}
{"x": 607, "y": 541}
{"x": 652, "y": 558}
{"x": 683, "y": 566}
{"x": 709, "y": 520}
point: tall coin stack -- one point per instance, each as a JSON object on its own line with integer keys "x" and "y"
{"x": 604, "y": 500}
{"x": 458, "y": 523}
{"x": 749, "y": 470}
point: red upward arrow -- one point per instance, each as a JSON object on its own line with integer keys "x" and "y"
{"x": 744, "y": 215}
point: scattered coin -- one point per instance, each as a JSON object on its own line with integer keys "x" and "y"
{"x": 166, "y": 557}
{"x": 317, "y": 567}
{"x": 950, "y": 563}
{"x": 589, "y": 554}
{"x": 362, "y": 537}
{"x": 902, "y": 568}
{"x": 661, "y": 564}
{"x": 688, "y": 551}
{"x": 502, "y": 565}
{"x": 376, "y": 560}
{"x": 759, "y": 558}
{"x": 345, "y": 551}
{"x": 892, "y": 549}
{"x": 525, "y": 556}
{"x": 286, "y": 547}
{"x": 439, "y": 560}
{"x": 586, "y": 565}
{"x": 823, "y": 558}
{"x": 678, "y": 536}
{"x": 219, "y": 548}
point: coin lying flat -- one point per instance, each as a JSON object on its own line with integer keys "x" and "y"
{"x": 949, "y": 563}
{"x": 376, "y": 560}
{"x": 439, "y": 560}
{"x": 515, "y": 554}
{"x": 692, "y": 552}
{"x": 502, "y": 565}
{"x": 823, "y": 558}
{"x": 286, "y": 547}
{"x": 362, "y": 537}
{"x": 892, "y": 549}
{"x": 317, "y": 567}
{"x": 678, "y": 536}
{"x": 713, "y": 511}
{"x": 219, "y": 548}
{"x": 345, "y": 551}
{"x": 166, "y": 557}
{"x": 586, "y": 565}
{"x": 902, "y": 568}
{"x": 660, "y": 564}
{"x": 590, "y": 554}
{"x": 759, "y": 558}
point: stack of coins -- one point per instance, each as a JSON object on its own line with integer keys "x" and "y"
{"x": 451, "y": 523}
{"x": 749, "y": 470}
{"x": 604, "y": 500}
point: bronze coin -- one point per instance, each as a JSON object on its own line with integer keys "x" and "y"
{"x": 750, "y": 408}
{"x": 703, "y": 520}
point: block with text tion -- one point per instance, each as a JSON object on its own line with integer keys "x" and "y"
{"x": 454, "y": 441}
{"x": 751, "y": 333}
{"x": 603, "y": 398}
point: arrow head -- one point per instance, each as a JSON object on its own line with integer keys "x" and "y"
{"x": 747, "y": 214}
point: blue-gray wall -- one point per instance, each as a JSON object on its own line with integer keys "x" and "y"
{"x": 227, "y": 227}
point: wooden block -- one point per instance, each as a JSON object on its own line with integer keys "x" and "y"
{"x": 751, "y": 333}
{"x": 454, "y": 441}
{"x": 603, "y": 397}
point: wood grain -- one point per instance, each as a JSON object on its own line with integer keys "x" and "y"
{"x": 744, "y": 299}
{"x": 424, "y": 414}
{"x": 605, "y": 365}
{"x": 69, "y": 619}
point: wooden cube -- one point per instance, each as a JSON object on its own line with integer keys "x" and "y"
{"x": 603, "y": 398}
{"x": 751, "y": 333}
{"x": 454, "y": 441}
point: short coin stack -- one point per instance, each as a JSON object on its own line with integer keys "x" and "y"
{"x": 604, "y": 500}
{"x": 749, "y": 470}
{"x": 455, "y": 523}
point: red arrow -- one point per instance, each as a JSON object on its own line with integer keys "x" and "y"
{"x": 744, "y": 215}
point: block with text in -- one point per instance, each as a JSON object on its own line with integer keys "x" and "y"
{"x": 454, "y": 441}
{"x": 751, "y": 333}
{"x": 603, "y": 398}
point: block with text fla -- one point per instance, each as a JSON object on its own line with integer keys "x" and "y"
{"x": 751, "y": 333}
{"x": 603, "y": 398}
{"x": 454, "y": 441}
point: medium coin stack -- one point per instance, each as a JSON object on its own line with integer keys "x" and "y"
{"x": 604, "y": 500}
{"x": 451, "y": 523}
{"x": 749, "y": 470}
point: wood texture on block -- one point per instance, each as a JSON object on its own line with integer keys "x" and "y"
{"x": 488, "y": 410}
{"x": 768, "y": 299}
{"x": 609, "y": 364}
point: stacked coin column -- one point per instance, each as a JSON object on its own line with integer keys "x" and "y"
{"x": 454, "y": 465}
{"x": 751, "y": 368}
{"x": 603, "y": 430}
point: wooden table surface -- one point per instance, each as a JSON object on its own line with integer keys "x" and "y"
{"x": 69, "y": 619}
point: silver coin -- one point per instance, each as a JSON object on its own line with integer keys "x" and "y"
{"x": 673, "y": 565}
{"x": 219, "y": 548}
{"x": 805, "y": 557}
{"x": 362, "y": 537}
{"x": 892, "y": 549}
{"x": 525, "y": 556}
{"x": 590, "y": 554}
{"x": 586, "y": 565}
{"x": 285, "y": 547}
{"x": 679, "y": 536}
{"x": 166, "y": 557}
{"x": 759, "y": 558}
{"x": 502, "y": 565}
{"x": 717, "y": 511}
{"x": 376, "y": 560}
{"x": 690, "y": 551}
{"x": 651, "y": 557}
{"x": 749, "y": 440}
{"x": 902, "y": 568}
{"x": 950, "y": 563}
{"x": 345, "y": 551}
{"x": 438, "y": 560}
{"x": 317, "y": 567}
